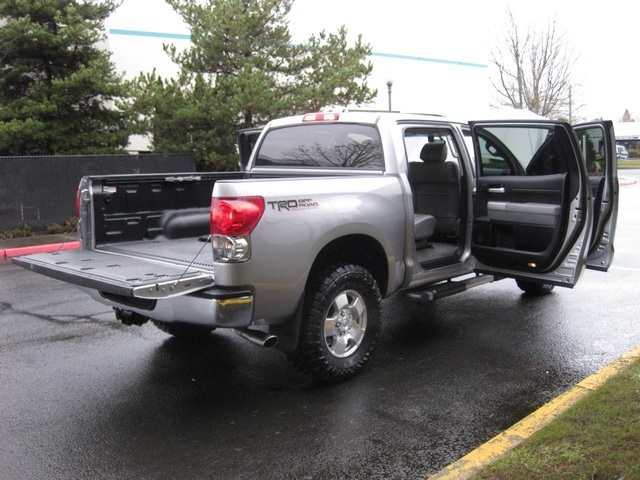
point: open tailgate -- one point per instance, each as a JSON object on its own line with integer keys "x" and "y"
{"x": 118, "y": 274}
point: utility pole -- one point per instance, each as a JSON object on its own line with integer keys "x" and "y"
{"x": 570, "y": 107}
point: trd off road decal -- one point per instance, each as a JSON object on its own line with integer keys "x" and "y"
{"x": 291, "y": 205}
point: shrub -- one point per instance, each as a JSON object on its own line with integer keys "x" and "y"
{"x": 22, "y": 231}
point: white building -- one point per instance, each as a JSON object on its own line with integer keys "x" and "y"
{"x": 627, "y": 131}
{"x": 628, "y": 135}
{"x": 436, "y": 60}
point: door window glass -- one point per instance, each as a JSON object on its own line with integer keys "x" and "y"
{"x": 415, "y": 140}
{"x": 520, "y": 151}
{"x": 592, "y": 144}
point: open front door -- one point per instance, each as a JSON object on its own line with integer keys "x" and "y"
{"x": 532, "y": 206}
{"x": 598, "y": 143}
{"x": 247, "y": 139}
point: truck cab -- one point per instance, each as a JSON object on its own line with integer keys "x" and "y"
{"x": 534, "y": 200}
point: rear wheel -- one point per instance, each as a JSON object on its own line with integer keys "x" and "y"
{"x": 534, "y": 288}
{"x": 183, "y": 330}
{"x": 342, "y": 317}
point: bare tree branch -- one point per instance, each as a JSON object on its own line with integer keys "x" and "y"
{"x": 534, "y": 69}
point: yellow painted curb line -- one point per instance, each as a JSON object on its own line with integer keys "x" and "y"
{"x": 482, "y": 456}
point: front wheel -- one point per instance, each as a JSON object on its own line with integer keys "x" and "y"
{"x": 341, "y": 322}
{"x": 534, "y": 288}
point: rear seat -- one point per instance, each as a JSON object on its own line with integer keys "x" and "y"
{"x": 436, "y": 188}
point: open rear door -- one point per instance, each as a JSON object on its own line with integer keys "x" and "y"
{"x": 598, "y": 143}
{"x": 532, "y": 206}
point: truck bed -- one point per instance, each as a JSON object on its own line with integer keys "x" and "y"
{"x": 195, "y": 251}
{"x": 144, "y": 237}
{"x": 136, "y": 208}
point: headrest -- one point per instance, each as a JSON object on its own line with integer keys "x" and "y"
{"x": 434, "y": 152}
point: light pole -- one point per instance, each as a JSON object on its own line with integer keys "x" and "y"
{"x": 389, "y": 85}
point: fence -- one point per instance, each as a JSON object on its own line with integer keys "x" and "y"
{"x": 40, "y": 190}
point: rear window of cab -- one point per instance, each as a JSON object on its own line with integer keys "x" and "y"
{"x": 322, "y": 145}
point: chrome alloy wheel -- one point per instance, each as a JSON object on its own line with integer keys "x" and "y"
{"x": 345, "y": 323}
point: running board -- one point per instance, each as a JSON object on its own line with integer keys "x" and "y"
{"x": 446, "y": 289}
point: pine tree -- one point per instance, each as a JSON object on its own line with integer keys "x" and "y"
{"x": 241, "y": 71}
{"x": 58, "y": 86}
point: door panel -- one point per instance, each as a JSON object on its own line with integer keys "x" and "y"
{"x": 597, "y": 141}
{"x": 523, "y": 219}
{"x": 531, "y": 210}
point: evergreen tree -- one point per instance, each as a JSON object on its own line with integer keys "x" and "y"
{"x": 58, "y": 85}
{"x": 241, "y": 71}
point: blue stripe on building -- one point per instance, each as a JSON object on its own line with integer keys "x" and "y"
{"x": 138, "y": 33}
{"x": 179, "y": 36}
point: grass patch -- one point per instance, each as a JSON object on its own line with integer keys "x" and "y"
{"x": 596, "y": 439}
{"x": 634, "y": 163}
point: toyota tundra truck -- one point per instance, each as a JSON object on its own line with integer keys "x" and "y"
{"x": 335, "y": 212}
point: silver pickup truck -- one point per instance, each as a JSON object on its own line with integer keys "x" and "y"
{"x": 333, "y": 213}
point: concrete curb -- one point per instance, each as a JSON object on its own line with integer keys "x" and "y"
{"x": 8, "y": 253}
{"x": 484, "y": 455}
{"x": 626, "y": 181}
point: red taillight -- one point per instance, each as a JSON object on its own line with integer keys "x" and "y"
{"x": 235, "y": 215}
{"x": 321, "y": 117}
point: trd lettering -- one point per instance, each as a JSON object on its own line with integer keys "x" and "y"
{"x": 289, "y": 205}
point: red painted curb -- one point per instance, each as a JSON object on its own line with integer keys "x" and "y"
{"x": 15, "y": 252}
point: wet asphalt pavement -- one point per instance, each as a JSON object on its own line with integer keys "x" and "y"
{"x": 82, "y": 396}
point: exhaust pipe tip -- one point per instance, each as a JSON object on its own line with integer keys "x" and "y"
{"x": 258, "y": 337}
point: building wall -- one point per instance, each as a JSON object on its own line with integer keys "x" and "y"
{"x": 435, "y": 57}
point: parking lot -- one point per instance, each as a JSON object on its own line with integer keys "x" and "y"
{"x": 85, "y": 397}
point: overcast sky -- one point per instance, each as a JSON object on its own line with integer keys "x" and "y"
{"x": 605, "y": 39}
{"x": 605, "y": 36}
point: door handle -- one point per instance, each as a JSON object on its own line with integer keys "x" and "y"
{"x": 497, "y": 190}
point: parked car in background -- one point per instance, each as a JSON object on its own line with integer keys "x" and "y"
{"x": 622, "y": 152}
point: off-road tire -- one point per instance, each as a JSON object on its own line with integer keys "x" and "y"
{"x": 183, "y": 330}
{"x": 534, "y": 288}
{"x": 341, "y": 320}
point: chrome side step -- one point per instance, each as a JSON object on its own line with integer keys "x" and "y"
{"x": 446, "y": 289}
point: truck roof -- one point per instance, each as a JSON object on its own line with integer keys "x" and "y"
{"x": 360, "y": 116}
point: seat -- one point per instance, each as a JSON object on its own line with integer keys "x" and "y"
{"x": 435, "y": 185}
{"x": 423, "y": 228}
